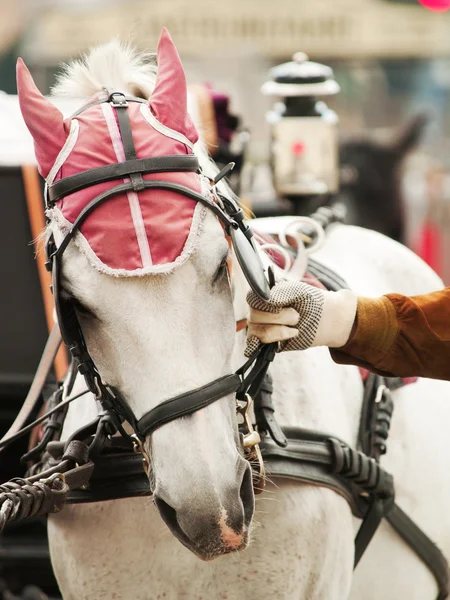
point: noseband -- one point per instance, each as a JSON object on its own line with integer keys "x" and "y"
{"x": 232, "y": 219}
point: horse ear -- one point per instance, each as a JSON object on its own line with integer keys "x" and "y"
{"x": 44, "y": 121}
{"x": 411, "y": 135}
{"x": 168, "y": 101}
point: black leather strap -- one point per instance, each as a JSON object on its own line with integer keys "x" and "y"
{"x": 368, "y": 528}
{"x": 361, "y": 474}
{"x": 330, "y": 279}
{"x": 127, "y": 140}
{"x": 423, "y": 547}
{"x": 102, "y": 101}
{"x": 157, "y": 164}
{"x": 265, "y": 411}
{"x": 186, "y": 404}
{"x": 124, "y": 187}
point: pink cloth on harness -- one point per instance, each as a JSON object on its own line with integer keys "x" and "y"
{"x": 130, "y": 233}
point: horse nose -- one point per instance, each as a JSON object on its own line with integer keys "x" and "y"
{"x": 247, "y": 495}
{"x": 212, "y": 523}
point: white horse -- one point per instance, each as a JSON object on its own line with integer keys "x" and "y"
{"x": 156, "y": 336}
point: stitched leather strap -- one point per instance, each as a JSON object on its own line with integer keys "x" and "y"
{"x": 186, "y": 404}
{"x": 335, "y": 462}
{"x": 265, "y": 411}
{"x": 157, "y": 164}
{"x": 102, "y": 101}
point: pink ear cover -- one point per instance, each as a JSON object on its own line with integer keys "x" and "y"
{"x": 169, "y": 99}
{"x": 133, "y": 233}
{"x": 44, "y": 121}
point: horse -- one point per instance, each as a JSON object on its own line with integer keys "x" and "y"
{"x": 163, "y": 330}
{"x": 370, "y": 179}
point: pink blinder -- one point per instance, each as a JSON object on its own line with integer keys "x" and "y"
{"x": 133, "y": 233}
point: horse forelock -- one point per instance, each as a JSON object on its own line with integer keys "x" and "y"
{"x": 114, "y": 66}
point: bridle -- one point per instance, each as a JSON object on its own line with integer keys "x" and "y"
{"x": 245, "y": 381}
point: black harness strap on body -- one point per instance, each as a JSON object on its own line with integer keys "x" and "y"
{"x": 416, "y": 539}
{"x": 331, "y": 280}
{"x": 369, "y": 526}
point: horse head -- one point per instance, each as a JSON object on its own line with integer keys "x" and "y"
{"x": 147, "y": 277}
{"x": 370, "y": 178}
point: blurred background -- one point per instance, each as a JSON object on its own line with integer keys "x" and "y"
{"x": 391, "y": 59}
{"x": 390, "y": 123}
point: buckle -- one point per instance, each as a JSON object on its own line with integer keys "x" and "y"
{"x": 50, "y": 251}
{"x": 118, "y": 100}
{"x": 224, "y": 172}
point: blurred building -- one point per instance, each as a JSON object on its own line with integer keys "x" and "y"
{"x": 378, "y": 47}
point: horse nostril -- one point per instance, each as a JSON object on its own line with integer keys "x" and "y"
{"x": 168, "y": 514}
{"x": 247, "y": 495}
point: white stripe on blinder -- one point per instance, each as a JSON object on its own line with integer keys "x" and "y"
{"x": 133, "y": 200}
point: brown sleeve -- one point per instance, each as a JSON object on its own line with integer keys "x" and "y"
{"x": 401, "y": 336}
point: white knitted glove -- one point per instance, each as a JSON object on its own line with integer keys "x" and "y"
{"x": 300, "y": 316}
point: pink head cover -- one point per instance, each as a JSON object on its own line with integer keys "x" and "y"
{"x": 134, "y": 233}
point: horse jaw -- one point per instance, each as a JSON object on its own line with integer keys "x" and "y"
{"x": 157, "y": 336}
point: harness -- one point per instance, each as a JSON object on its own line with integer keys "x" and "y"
{"x": 93, "y": 465}
{"x": 232, "y": 219}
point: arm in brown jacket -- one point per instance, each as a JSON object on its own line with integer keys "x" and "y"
{"x": 401, "y": 336}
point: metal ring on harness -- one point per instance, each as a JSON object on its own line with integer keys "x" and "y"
{"x": 316, "y": 227}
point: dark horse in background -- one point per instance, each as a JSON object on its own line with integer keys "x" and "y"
{"x": 370, "y": 179}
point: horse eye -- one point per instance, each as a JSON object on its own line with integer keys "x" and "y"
{"x": 80, "y": 308}
{"x": 221, "y": 270}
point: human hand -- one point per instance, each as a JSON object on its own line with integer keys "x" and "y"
{"x": 300, "y": 316}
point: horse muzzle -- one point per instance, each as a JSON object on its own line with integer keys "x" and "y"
{"x": 212, "y": 523}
